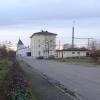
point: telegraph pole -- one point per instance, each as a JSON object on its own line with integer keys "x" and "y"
{"x": 59, "y": 48}
{"x": 59, "y": 44}
{"x": 73, "y": 35}
{"x": 89, "y": 42}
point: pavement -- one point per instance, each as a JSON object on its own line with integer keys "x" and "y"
{"x": 44, "y": 89}
{"x": 82, "y": 80}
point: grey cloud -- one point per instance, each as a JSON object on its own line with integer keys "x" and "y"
{"x": 24, "y": 11}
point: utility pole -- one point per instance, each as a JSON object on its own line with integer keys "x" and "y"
{"x": 59, "y": 48}
{"x": 89, "y": 42}
{"x": 59, "y": 44}
{"x": 73, "y": 35}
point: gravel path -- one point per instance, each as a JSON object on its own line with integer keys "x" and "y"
{"x": 44, "y": 89}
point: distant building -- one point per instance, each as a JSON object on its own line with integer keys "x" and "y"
{"x": 72, "y": 52}
{"x": 22, "y": 50}
{"x": 66, "y": 46}
{"x": 43, "y": 44}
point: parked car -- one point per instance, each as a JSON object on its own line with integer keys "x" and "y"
{"x": 51, "y": 57}
{"x": 40, "y": 57}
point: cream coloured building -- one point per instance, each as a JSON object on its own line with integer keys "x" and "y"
{"x": 43, "y": 44}
{"x": 72, "y": 52}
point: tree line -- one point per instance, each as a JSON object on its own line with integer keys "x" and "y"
{"x": 6, "y": 53}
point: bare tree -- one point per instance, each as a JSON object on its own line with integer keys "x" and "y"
{"x": 94, "y": 51}
{"x": 6, "y": 52}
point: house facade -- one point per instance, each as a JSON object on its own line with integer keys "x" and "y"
{"x": 71, "y": 52}
{"x": 22, "y": 50}
{"x": 43, "y": 44}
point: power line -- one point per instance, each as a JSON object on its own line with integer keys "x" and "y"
{"x": 87, "y": 39}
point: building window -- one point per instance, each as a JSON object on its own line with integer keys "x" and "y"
{"x": 51, "y": 40}
{"x": 64, "y": 52}
{"x": 39, "y": 53}
{"x": 73, "y": 52}
{"x": 78, "y": 52}
{"x": 39, "y": 45}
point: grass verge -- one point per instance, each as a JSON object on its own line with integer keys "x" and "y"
{"x": 5, "y": 66}
{"x": 75, "y": 60}
{"x": 17, "y": 85}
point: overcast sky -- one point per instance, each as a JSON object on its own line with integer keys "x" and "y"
{"x": 21, "y": 18}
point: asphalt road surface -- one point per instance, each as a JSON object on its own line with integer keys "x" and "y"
{"x": 84, "y": 80}
{"x": 43, "y": 89}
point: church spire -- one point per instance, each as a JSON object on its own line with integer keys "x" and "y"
{"x": 20, "y": 44}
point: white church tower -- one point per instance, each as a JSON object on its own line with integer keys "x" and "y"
{"x": 20, "y": 45}
{"x": 22, "y": 51}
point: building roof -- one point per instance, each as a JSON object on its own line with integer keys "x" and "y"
{"x": 20, "y": 42}
{"x": 74, "y": 49}
{"x": 43, "y": 33}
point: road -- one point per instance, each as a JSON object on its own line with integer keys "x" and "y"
{"x": 40, "y": 85}
{"x": 84, "y": 80}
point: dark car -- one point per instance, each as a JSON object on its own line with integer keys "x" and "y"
{"x": 40, "y": 57}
